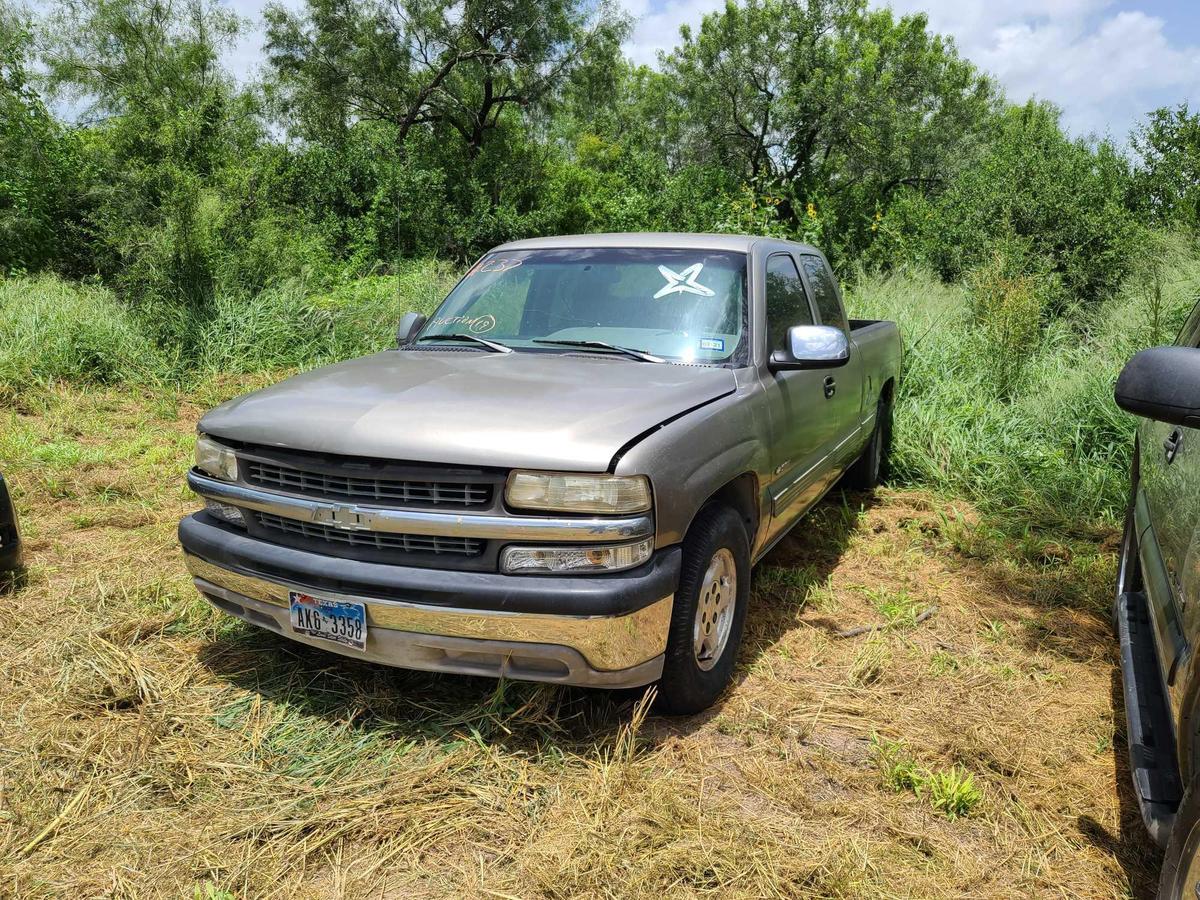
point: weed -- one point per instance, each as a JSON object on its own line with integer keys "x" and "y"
{"x": 952, "y": 792}
{"x": 943, "y": 663}
{"x": 897, "y": 770}
{"x": 898, "y": 607}
{"x": 870, "y": 662}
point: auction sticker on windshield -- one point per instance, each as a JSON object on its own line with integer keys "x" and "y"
{"x": 338, "y": 621}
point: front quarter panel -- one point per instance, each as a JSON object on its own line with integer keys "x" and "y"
{"x": 691, "y": 458}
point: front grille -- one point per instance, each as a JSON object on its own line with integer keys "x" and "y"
{"x": 372, "y": 490}
{"x": 373, "y": 540}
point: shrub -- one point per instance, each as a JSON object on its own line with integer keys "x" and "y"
{"x": 1006, "y": 311}
{"x": 1063, "y": 198}
{"x": 1047, "y": 443}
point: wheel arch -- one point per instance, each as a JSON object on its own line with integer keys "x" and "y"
{"x": 743, "y": 496}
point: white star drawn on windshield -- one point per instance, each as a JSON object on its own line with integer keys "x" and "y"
{"x": 683, "y": 282}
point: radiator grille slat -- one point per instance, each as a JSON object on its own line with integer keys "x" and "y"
{"x": 377, "y": 490}
{"x": 405, "y": 543}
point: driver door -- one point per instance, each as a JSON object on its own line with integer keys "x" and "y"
{"x": 803, "y": 424}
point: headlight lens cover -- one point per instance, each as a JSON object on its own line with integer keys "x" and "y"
{"x": 603, "y": 558}
{"x": 567, "y": 492}
{"x": 215, "y": 459}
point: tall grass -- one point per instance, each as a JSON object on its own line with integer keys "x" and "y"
{"x": 54, "y": 330}
{"x": 996, "y": 404}
{"x": 1036, "y": 433}
{"x": 51, "y": 330}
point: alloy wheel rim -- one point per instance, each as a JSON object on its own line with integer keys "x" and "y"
{"x": 714, "y": 609}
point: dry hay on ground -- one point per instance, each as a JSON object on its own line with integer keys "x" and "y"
{"x": 151, "y": 747}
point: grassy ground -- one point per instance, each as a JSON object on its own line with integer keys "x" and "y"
{"x": 151, "y": 747}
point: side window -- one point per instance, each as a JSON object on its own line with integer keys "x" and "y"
{"x": 1189, "y": 335}
{"x": 824, "y": 292}
{"x": 787, "y": 304}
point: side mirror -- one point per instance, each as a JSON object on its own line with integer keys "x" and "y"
{"x": 410, "y": 324}
{"x": 1162, "y": 383}
{"x": 812, "y": 347}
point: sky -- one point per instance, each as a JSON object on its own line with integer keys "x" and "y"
{"x": 1106, "y": 63}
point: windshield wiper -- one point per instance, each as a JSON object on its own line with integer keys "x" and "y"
{"x": 494, "y": 346}
{"x": 602, "y": 345}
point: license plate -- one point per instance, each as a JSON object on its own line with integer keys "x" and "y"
{"x": 339, "y": 621}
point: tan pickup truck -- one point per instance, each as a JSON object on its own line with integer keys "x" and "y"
{"x": 565, "y": 474}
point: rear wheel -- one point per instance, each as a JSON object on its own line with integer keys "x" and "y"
{"x": 709, "y": 611}
{"x": 874, "y": 466}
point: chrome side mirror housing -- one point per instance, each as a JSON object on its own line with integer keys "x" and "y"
{"x": 812, "y": 347}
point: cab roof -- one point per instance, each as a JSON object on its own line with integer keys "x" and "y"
{"x": 667, "y": 240}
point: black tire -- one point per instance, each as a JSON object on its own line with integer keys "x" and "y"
{"x": 872, "y": 468}
{"x": 1180, "y": 876}
{"x": 687, "y": 686}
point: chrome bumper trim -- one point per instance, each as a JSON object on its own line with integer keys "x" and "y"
{"x": 607, "y": 643}
{"x": 354, "y": 517}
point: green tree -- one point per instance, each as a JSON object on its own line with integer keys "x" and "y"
{"x": 457, "y": 67}
{"x": 1167, "y": 179}
{"x": 1061, "y": 200}
{"x": 39, "y": 168}
{"x": 164, "y": 123}
{"x": 827, "y": 103}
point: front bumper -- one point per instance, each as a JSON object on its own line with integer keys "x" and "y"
{"x": 600, "y": 631}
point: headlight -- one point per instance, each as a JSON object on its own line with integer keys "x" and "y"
{"x": 563, "y": 492}
{"x": 215, "y": 459}
{"x": 576, "y": 559}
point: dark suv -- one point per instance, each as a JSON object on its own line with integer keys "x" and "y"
{"x": 1157, "y": 608}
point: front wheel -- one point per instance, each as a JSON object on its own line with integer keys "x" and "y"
{"x": 1180, "y": 876}
{"x": 709, "y": 611}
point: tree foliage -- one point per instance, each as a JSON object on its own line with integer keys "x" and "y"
{"x": 392, "y": 128}
{"x": 1168, "y": 181}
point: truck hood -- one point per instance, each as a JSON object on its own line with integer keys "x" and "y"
{"x": 529, "y": 410}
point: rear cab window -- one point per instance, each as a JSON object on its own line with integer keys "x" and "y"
{"x": 825, "y": 294}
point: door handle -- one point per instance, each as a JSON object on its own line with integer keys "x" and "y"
{"x": 830, "y": 386}
{"x": 1172, "y": 445}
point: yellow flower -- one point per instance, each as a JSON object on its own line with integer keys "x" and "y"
{"x": 812, "y": 210}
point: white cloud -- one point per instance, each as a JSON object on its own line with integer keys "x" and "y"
{"x": 1105, "y": 68}
{"x": 658, "y": 24}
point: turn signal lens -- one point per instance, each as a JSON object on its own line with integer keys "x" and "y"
{"x": 225, "y": 513}
{"x": 565, "y": 492}
{"x": 532, "y": 560}
{"x": 215, "y": 459}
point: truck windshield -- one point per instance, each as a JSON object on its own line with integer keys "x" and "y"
{"x": 683, "y": 305}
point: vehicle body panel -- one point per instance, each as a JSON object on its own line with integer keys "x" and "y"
{"x": 548, "y": 410}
